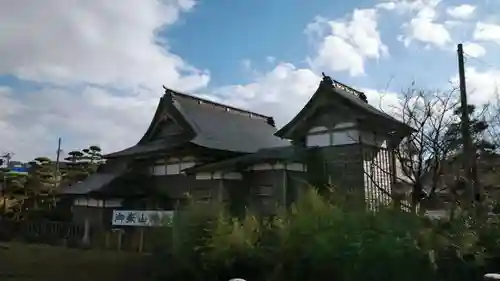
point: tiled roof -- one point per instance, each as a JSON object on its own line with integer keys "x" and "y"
{"x": 281, "y": 154}
{"x": 226, "y": 128}
{"x": 96, "y": 181}
{"x": 330, "y": 89}
{"x": 214, "y": 126}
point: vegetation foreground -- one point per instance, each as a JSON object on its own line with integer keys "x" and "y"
{"x": 320, "y": 238}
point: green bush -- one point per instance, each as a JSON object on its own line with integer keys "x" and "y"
{"x": 325, "y": 239}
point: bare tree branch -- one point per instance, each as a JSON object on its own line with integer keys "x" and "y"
{"x": 419, "y": 156}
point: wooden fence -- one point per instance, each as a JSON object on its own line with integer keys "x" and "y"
{"x": 71, "y": 235}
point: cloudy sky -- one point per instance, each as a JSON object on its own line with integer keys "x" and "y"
{"x": 91, "y": 71}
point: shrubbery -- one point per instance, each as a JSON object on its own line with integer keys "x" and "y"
{"x": 322, "y": 239}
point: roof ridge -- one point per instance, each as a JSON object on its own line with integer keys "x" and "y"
{"x": 353, "y": 91}
{"x": 217, "y": 104}
{"x": 345, "y": 87}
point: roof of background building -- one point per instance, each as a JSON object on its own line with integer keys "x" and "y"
{"x": 214, "y": 126}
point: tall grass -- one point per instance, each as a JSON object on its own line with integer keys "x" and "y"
{"x": 323, "y": 238}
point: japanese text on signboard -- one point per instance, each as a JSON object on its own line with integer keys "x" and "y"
{"x": 141, "y": 218}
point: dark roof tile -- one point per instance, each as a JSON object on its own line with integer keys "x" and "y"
{"x": 282, "y": 154}
{"x": 328, "y": 89}
{"x": 225, "y": 129}
{"x": 150, "y": 147}
{"x": 96, "y": 181}
{"x": 215, "y": 126}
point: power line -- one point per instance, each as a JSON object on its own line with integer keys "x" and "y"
{"x": 489, "y": 65}
{"x": 480, "y": 60}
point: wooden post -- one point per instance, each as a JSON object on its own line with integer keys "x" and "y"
{"x": 86, "y": 233}
{"x": 120, "y": 238}
{"x": 468, "y": 149}
{"x": 141, "y": 239}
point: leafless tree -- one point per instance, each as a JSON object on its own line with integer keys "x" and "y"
{"x": 420, "y": 156}
{"x": 492, "y": 116}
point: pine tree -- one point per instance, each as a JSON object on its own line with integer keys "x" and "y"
{"x": 477, "y": 129}
{"x": 41, "y": 184}
{"x": 484, "y": 151}
{"x": 82, "y": 163}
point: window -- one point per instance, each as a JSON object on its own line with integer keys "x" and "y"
{"x": 320, "y": 136}
{"x": 185, "y": 165}
{"x": 88, "y": 202}
{"x": 203, "y": 176}
{"x": 113, "y": 203}
{"x": 162, "y": 169}
{"x": 173, "y": 169}
{"x": 159, "y": 169}
{"x": 173, "y": 166}
{"x": 345, "y": 137}
{"x": 318, "y": 139}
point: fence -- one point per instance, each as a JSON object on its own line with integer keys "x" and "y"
{"x": 71, "y": 235}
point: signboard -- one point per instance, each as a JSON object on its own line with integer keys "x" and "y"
{"x": 18, "y": 171}
{"x": 141, "y": 218}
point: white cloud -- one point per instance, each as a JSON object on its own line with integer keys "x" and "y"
{"x": 280, "y": 93}
{"x": 423, "y": 27}
{"x": 405, "y": 6}
{"x": 464, "y": 11}
{"x": 386, "y": 6}
{"x": 474, "y": 50}
{"x": 283, "y": 92}
{"x": 345, "y": 44}
{"x": 89, "y": 52}
{"x": 487, "y": 32}
{"x": 426, "y": 31}
{"x": 454, "y": 23}
{"x": 482, "y": 86}
{"x": 99, "y": 42}
{"x": 385, "y": 101}
{"x": 71, "y": 46}
{"x": 82, "y": 117}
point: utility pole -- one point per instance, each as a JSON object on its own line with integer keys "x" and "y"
{"x": 58, "y": 154}
{"x": 469, "y": 153}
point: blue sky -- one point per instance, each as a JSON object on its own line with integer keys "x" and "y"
{"x": 220, "y": 34}
{"x": 91, "y": 72}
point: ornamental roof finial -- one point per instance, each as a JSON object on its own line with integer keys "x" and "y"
{"x": 327, "y": 80}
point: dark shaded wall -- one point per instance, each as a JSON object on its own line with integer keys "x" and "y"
{"x": 341, "y": 166}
